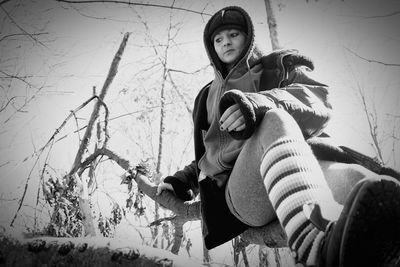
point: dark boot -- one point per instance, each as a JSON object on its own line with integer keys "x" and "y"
{"x": 367, "y": 232}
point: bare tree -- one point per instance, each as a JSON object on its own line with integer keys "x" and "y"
{"x": 384, "y": 139}
{"x": 380, "y": 137}
{"x": 76, "y": 170}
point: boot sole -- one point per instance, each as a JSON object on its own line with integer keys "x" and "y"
{"x": 375, "y": 241}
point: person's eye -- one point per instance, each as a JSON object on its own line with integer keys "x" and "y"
{"x": 217, "y": 40}
{"x": 234, "y": 34}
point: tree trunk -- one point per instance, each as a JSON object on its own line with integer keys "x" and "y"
{"x": 272, "y": 25}
{"x": 84, "y": 205}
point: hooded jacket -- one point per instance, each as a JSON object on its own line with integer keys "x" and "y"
{"x": 277, "y": 80}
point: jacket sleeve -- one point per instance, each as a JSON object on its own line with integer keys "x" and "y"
{"x": 185, "y": 182}
{"x": 304, "y": 98}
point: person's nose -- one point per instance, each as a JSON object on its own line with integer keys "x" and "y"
{"x": 227, "y": 42}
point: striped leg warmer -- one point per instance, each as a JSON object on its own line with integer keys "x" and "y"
{"x": 293, "y": 177}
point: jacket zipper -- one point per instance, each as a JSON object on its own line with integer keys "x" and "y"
{"x": 221, "y": 134}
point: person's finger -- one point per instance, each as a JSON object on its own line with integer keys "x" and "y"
{"x": 240, "y": 128}
{"x": 163, "y": 186}
{"x": 228, "y": 112}
{"x": 160, "y": 188}
{"x": 230, "y": 122}
{"x": 169, "y": 187}
{"x": 237, "y": 125}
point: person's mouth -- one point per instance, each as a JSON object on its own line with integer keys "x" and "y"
{"x": 229, "y": 51}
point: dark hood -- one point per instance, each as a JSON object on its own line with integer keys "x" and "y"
{"x": 249, "y": 54}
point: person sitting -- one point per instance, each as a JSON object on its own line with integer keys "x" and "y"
{"x": 258, "y": 158}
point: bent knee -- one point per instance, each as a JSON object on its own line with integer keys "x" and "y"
{"x": 277, "y": 114}
{"x": 279, "y": 123}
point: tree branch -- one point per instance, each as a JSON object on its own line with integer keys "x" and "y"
{"x": 372, "y": 60}
{"x": 4, "y": 1}
{"x": 134, "y": 4}
{"x": 165, "y": 219}
{"x": 10, "y": 76}
{"x": 111, "y": 74}
{"x": 57, "y": 131}
{"x": 394, "y": 13}
{"x": 372, "y": 119}
{"x": 8, "y": 102}
{"x": 25, "y": 190}
{"x": 21, "y": 34}
{"x": 271, "y": 235}
{"x": 20, "y": 28}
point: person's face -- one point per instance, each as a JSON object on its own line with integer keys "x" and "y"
{"x": 229, "y": 45}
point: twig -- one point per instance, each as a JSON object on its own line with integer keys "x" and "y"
{"x": 72, "y": 113}
{"x": 175, "y": 87}
{"x": 372, "y": 119}
{"x": 114, "y": 118}
{"x": 21, "y": 34}
{"x": 21, "y": 29}
{"x": 7, "y": 75}
{"x": 24, "y": 105}
{"x": 41, "y": 183}
{"x": 372, "y": 60}
{"x": 77, "y": 126}
{"x": 133, "y": 4}
{"x": 138, "y": 111}
{"x": 393, "y": 115}
{"x": 394, "y": 13}
{"x": 43, "y": 170}
{"x": 3, "y": 2}
{"x": 189, "y": 73}
{"x": 4, "y": 164}
{"x": 8, "y": 102}
{"x": 165, "y": 219}
{"x": 24, "y": 192}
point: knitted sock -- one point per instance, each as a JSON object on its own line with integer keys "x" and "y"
{"x": 293, "y": 178}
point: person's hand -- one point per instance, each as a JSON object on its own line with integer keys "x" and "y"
{"x": 164, "y": 186}
{"x": 232, "y": 119}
